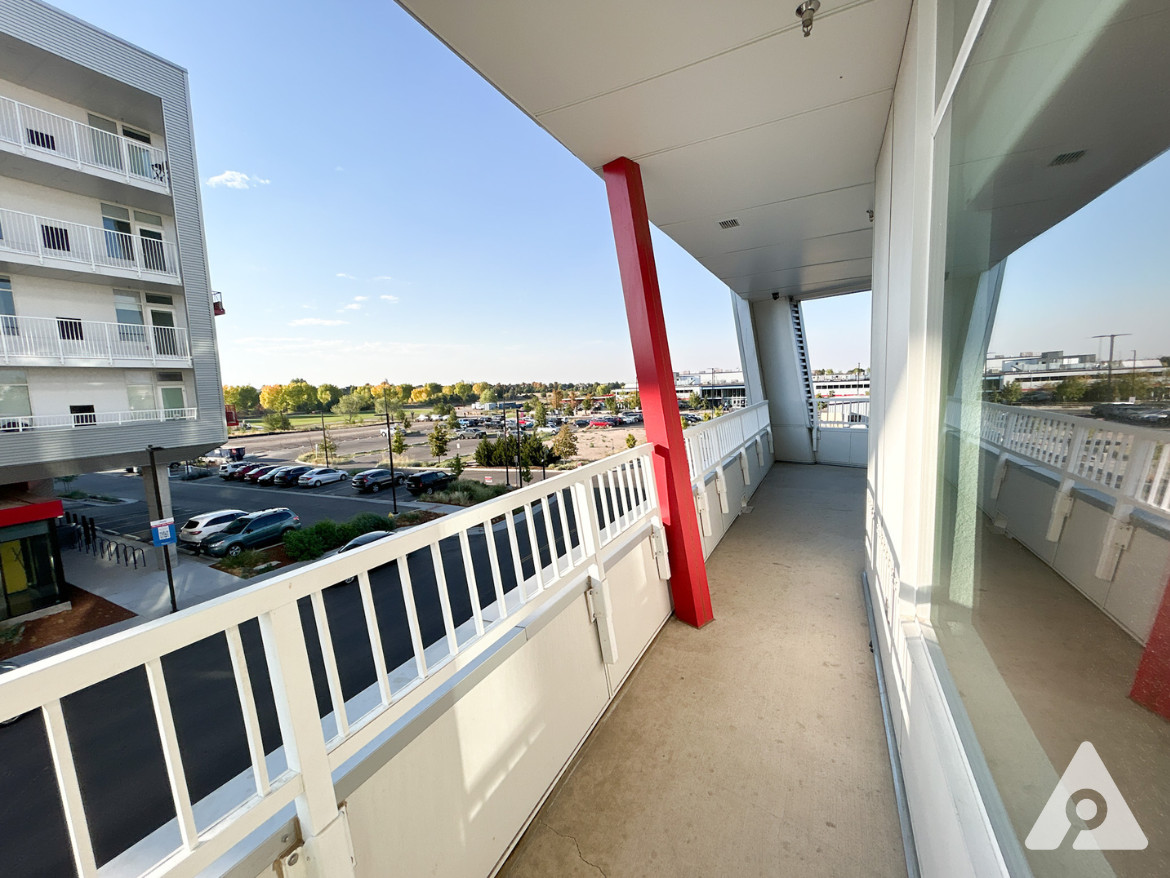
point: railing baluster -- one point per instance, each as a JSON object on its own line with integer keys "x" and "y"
{"x": 551, "y": 537}
{"x": 534, "y": 546}
{"x": 472, "y": 583}
{"x": 510, "y": 519}
{"x": 568, "y": 537}
{"x": 171, "y": 755}
{"x": 444, "y": 600}
{"x": 75, "y": 820}
{"x": 248, "y": 709}
{"x": 494, "y": 562}
{"x": 375, "y": 636}
{"x": 329, "y": 659}
{"x": 420, "y": 658}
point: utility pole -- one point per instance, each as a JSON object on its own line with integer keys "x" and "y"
{"x": 390, "y": 454}
{"x": 1109, "y": 380}
{"x": 324, "y": 439}
{"x": 151, "y": 449}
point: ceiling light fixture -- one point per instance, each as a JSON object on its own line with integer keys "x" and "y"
{"x": 805, "y": 12}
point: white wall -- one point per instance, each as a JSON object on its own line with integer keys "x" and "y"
{"x": 53, "y": 390}
{"x": 792, "y": 436}
{"x": 61, "y": 204}
{"x": 36, "y": 296}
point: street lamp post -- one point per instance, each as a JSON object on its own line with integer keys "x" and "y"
{"x": 324, "y": 439}
{"x": 1109, "y": 379}
{"x": 390, "y": 453}
{"x": 151, "y": 449}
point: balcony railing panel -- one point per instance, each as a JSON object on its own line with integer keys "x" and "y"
{"x": 38, "y": 131}
{"x": 62, "y": 340}
{"x": 1131, "y": 464}
{"x": 843, "y": 413}
{"x": 710, "y": 443}
{"x": 601, "y": 507}
{"x": 83, "y": 420}
{"x": 100, "y": 249}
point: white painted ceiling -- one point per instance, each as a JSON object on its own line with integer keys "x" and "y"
{"x": 729, "y": 110}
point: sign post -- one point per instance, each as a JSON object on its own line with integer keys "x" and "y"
{"x": 162, "y": 532}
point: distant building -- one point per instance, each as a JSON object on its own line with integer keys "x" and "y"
{"x": 717, "y": 387}
{"x": 1031, "y": 371}
{"x": 841, "y": 384}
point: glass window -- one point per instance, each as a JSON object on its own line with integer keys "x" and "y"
{"x": 29, "y": 576}
{"x": 14, "y": 393}
{"x": 1053, "y": 518}
{"x": 8, "y": 323}
{"x": 149, "y": 219}
{"x": 159, "y": 299}
{"x": 128, "y": 310}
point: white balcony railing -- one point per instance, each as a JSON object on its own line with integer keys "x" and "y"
{"x": 1131, "y": 464}
{"x": 84, "y": 420}
{"x": 47, "y": 240}
{"x": 843, "y": 413}
{"x": 710, "y": 443}
{"x": 63, "y": 340}
{"x": 585, "y": 518}
{"x": 36, "y": 131}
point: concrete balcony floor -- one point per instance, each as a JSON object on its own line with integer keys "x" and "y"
{"x": 754, "y": 746}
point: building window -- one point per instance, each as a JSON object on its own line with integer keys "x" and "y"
{"x": 159, "y": 299}
{"x": 14, "y": 401}
{"x": 30, "y": 574}
{"x": 55, "y": 238}
{"x": 128, "y": 310}
{"x": 70, "y": 329}
{"x": 8, "y": 324}
{"x": 41, "y": 139}
{"x": 119, "y": 233}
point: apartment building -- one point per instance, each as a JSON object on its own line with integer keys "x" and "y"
{"x": 107, "y": 342}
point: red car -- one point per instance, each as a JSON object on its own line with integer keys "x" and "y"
{"x": 242, "y": 473}
{"x": 603, "y": 422}
{"x": 254, "y": 475}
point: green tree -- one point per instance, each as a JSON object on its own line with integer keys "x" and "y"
{"x": 406, "y": 419}
{"x": 438, "y": 441}
{"x": 487, "y": 395}
{"x": 328, "y": 395}
{"x": 1010, "y": 393}
{"x": 539, "y": 412}
{"x": 398, "y": 443}
{"x": 301, "y": 395}
{"x": 696, "y": 400}
{"x": 276, "y": 421}
{"x": 244, "y": 397}
{"x": 1070, "y": 390}
{"x": 457, "y": 466}
{"x": 349, "y": 405}
{"x": 485, "y": 452}
{"x": 630, "y": 440}
{"x": 464, "y": 391}
{"x": 434, "y": 389}
{"x": 611, "y": 403}
{"x": 452, "y": 421}
{"x": 565, "y": 443}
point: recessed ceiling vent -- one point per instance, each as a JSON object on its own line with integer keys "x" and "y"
{"x": 729, "y": 224}
{"x": 1067, "y": 158}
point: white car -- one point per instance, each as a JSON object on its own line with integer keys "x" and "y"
{"x": 197, "y": 529}
{"x": 227, "y": 470}
{"x": 397, "y": 428}
{"x": 315, "y": 478}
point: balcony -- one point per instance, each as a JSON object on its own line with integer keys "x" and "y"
{"x": 61, "y": 141}
{"x": 51, "y": 341}
{"x": 85, "y": 420}
{"x": 37, "y": 240}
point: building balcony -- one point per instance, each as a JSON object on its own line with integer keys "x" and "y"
{"x": 64, "y": 142}
{"x": 27, "y": 239}
{"x": 85, "y": 420}
{"x": 52, "y": 341}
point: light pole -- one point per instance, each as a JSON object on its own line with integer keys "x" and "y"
{"x": 390, "y": 453}
{"x": 1109, "y": 380}
{"x": 324, "y": 439}
{"x": 151, "y": 449}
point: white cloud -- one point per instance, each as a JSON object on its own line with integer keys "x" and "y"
{"x": 360, "y": 298}
{"x": 388, "y": 298}
{"x": 236, "y": 180}
{"x": 346, "y": 275}
{"x": 317, "y": 321}
{"x": 382, "y": 277}
{"x": 352, "y": 306}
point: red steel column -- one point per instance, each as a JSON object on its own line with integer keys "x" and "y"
{"x": 1151, "y": 686}
{"x": 631, "y": 233}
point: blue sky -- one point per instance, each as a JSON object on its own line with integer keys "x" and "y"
{"x": 401, "y": 219}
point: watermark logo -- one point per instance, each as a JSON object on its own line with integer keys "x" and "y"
{"x": 1087, "y": 805}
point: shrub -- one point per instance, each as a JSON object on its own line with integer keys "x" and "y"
{"x": 303, "y": 545}
{"x": 630, "y": 440}
{"x": 274, "y": 421}
{"x": 325, "y": 536}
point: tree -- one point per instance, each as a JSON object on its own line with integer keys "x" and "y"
{"x": 434, "y": 389}
{"x": 452, "y": 421}
{"x": 485, "y": 452}
{"x": 438, "y": 441}
{"x": 275, "y": 421}
{"x": 487, "y": 395}
{"x": 328, "y": 395}
{"x": 696, "y": 400}
{"x": 398, "y": 443}
{"x": 565, "y": 443}
{"x": 557, "y": 398}
{"x": 611, "y": 403}
{"x": 457, "y": 466}
{"x": 272, "y": 398}
{"x": 406, "y": 419}
{"x": 419, "y": 394}
{"x": 244, "y": 397}
{"x": 301, "y": 395}
{"x": 630, "y": 440}
{"x": 463, "y": 390}
{"x": 1070, "y": 390}
{"x": 1010, "y": 393}
{"x": 349, "y": 405}
{"x": 539, "y": 412}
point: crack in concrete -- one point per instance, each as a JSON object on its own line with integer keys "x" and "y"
{"x": 577, "y": 845}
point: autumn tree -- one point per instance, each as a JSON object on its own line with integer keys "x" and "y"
{"x": 273, "y": 399}
{"x": 244, "y": 397}
{"x": 328, "y": 395}
{"x": 565, "y": 443}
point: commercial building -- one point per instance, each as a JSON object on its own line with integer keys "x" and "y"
{"x": 107, "y": 343}
{"x": 903, "y": 669}
{"x": 1034, "y": 371}
{"x": 718, "y": 387}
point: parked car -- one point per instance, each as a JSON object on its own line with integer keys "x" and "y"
{"x": 199, "y": 528}
{"x": 581, "y": 422}
{"x": 229, "y": 470}
{"x": 289, "y": 475}
{"x": 252, "y": 531}
{"x": 254, "y": 475}
{"x": 267, "y": 475}
{"x": 397, "y": 428}
{"x": 363, "y": 540}
{"x": 603, "y": 422}
{"x": 470, "y": 433}
{"x": 425, "y": 482}
{"x": 322, "y": 475}
{"x": 242, "y": 473}
{"x": 374, "y": 480}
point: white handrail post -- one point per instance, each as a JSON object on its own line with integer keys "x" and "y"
{"x": 324, "y": 828}
{"x": 598, "y": 593}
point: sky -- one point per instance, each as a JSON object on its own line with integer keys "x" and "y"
{"x": 377, "y": 210}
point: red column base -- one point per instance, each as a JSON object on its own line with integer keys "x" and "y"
{"x": 1151, "y": 685}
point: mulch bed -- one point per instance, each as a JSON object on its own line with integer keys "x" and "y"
{"x": 89, "y": 612}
